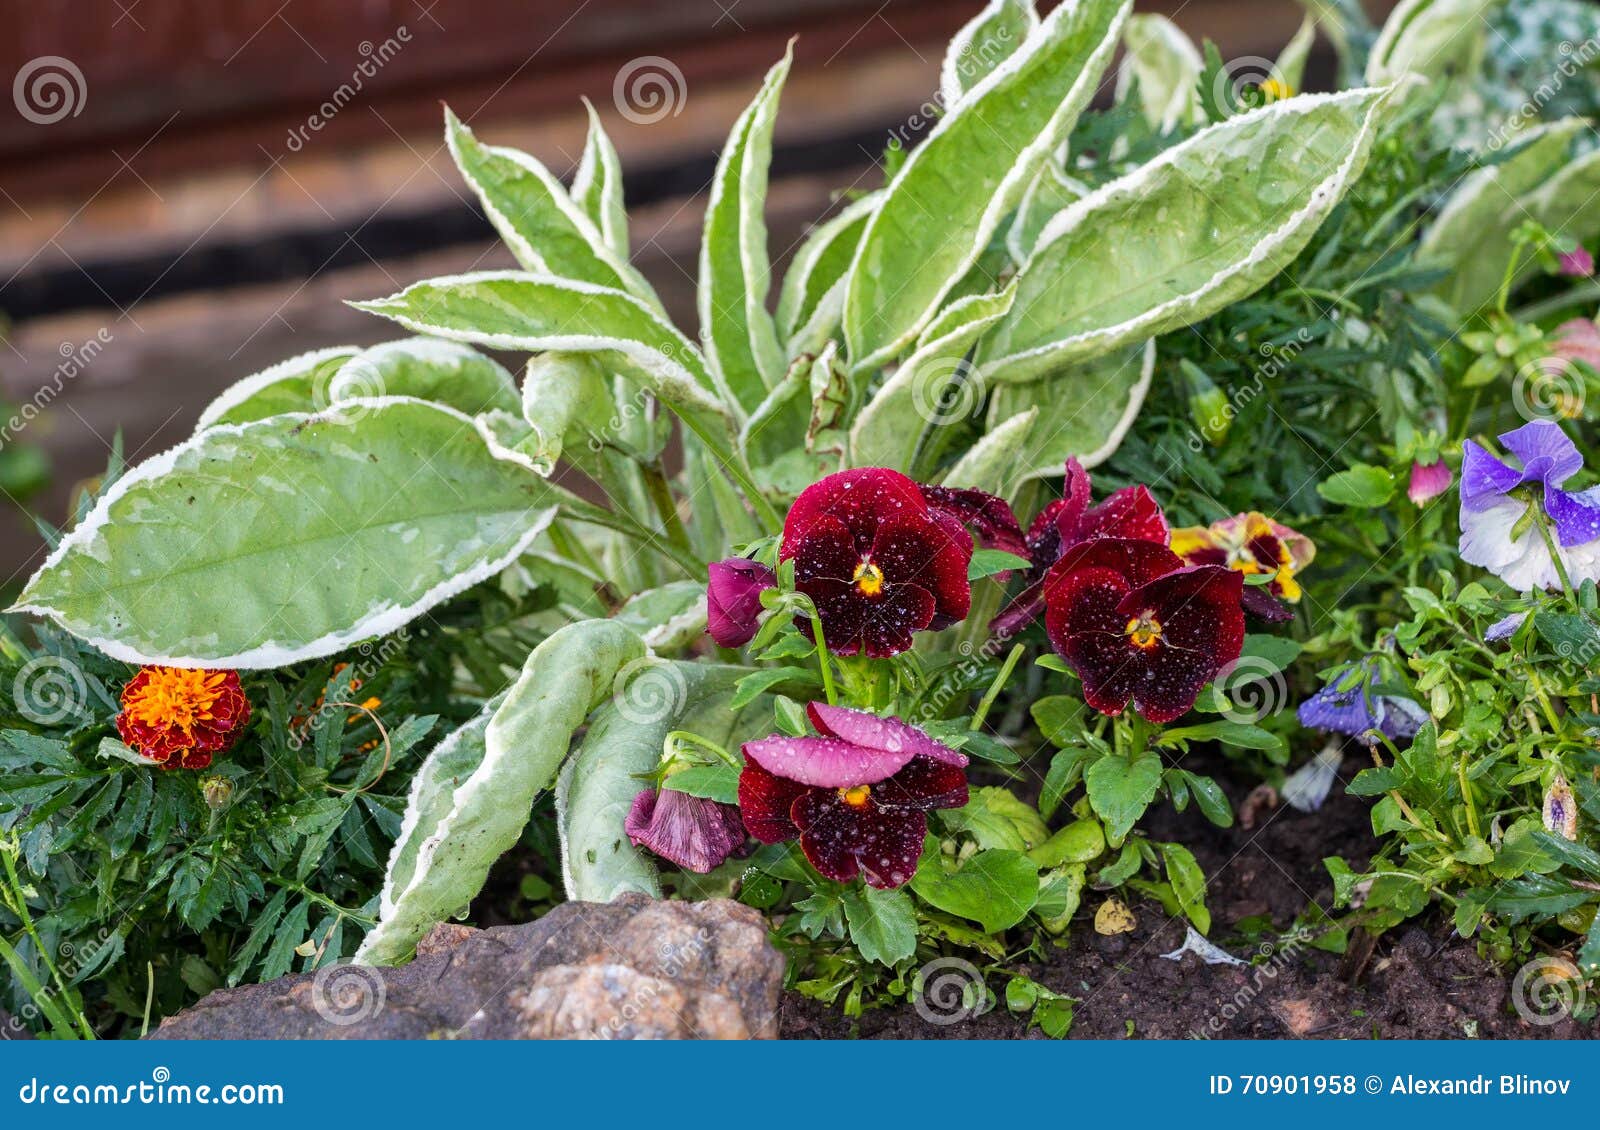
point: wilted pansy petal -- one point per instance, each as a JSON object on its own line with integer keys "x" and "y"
{"x": 693, "y": 832}
{"x": 1577, "y": 263}
{"x": 1561, "y": 809}
{"x": 1428, "y": 481}
{"x": 1504, "y": 628}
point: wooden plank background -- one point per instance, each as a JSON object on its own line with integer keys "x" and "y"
{"x": 184, "y": 213}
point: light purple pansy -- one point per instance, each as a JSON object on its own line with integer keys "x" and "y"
{"x": 1504, "y": 628}
{"x": 1495, "y": 497}
{"x": 1359, "y": 713}
{"x": 856, "y": 748}
{"x": 693, "y": 832}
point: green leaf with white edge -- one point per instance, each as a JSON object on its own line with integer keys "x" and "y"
{"x": 601, "y": 779}
{"x": 294, "y": 385}
{"x": 431, "y": 800}
{"x": 263, "y": 544}
{"x": 994, "y": 888}
{"x": 1120, "y": 789}
{"x": 546, "y": 232}
{"x": 1206, "y": 223}
{"x": 1363, "y": 486}
{"x": 597, "y": 186}
{"x": 1084, "y": 409}
{"x": 446, "y": 372}
{"x": 718, "y": 781}
{"x": 954, "y": 190}
{"x": 811, "y": 300}
{"x": 513, "y": 310}
{"x": 919, "y": 392}
{"x": 525, "y": 741}
{"x": 988, "y": 562}
{"x": 1427, "y": 38}
{"x": 1165, "y": 66}
{"x": 991, "y": 463}
{"x": 736, "y": 331}
{"x": 1188, "y": 884}
{"x": 1488, "y": 204}
{"x": 1290, "y": 66}
{"x": 669, "y": 617}
{"x": 1050, "y": 191}
{"x": 883, "y": 924}
{"x": 562, "y": 394}
{"x": 983, "y": 43}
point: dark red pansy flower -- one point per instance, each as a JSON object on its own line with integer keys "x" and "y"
{"x": 1131, "y": 512}
{"x": 178, "y": 717}
{"x": 1137, "y": 624}
{"x": 695, "y": 833}
{"x": 733, "y": 599}
{"x": 857, "y": 797}
{"x": 877, "y": 561}
{"x": 987, "y": 513}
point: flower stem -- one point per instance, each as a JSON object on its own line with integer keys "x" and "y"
{"x": 695, "y": 740}
{"x": 1542, "y": 520}
{"x": 995, "y": 687}
{"x": 823, "y": 658}
{"x": 655, "y": 484}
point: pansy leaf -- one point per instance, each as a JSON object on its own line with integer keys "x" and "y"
{"x": 883, "y": 924}
{"x": 263, "y": 544}
{"x": 1201, "y": 226}
{"x": 988, "y": 562}
{"x": 1363, "y": 486}
{"x": 1188, "y": 884}
{"x": 952, "y": 193}
{"x": 1121, "y": 788}
{"x": 994, "y": 888}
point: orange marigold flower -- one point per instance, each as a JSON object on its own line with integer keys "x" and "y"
{"x": 178, "y": 716}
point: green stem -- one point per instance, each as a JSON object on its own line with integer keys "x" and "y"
{"x": 995, "y": 687}
{"x": 1543, "y": 522}
{"x": 18, "y": 902}
{"x": 823, "y": 658}
{"x": 655, "y": 484}
{"x": 738, "y": 472}
{"x": 691, "y": 739}
{"x": 625, "y": 524}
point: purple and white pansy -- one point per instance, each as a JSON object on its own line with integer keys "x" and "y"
{"x": 1498, "y": 516}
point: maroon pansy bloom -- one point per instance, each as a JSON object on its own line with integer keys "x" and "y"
{"x": 857, "y": 797}
{"x": 733, "y": 599}
{"x": 877, "y": 561}
{"x": 1131, "y": 512}
{"x": 1136, "y": 623}
{"x": 693, "y": 832}
{"x": 990, "y": 515}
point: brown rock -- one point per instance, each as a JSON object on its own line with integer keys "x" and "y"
{"x": 636, "y": 968}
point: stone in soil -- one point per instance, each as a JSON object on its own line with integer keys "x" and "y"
{"x": 636, "y": 968}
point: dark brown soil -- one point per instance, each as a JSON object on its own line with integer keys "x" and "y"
{"x": 1419, "y": 981}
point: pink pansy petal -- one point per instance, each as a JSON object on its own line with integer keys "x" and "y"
{"x": 825, "y": 762}
{"x": 765, "y": 802}
{"x": 888, "y": 734}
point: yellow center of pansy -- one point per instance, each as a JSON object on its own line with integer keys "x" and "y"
{"x": 175, "y": 698}
{"x": 1143, "y": 631}
{"x": 856, "y": 797}
{"x": 868, "y": 579}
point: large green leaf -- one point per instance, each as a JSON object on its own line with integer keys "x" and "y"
{"x": 562, "y": 393}
{"x": 597, "y": 185}
{"x": 513, "y": 310}
{"x": 288, "y": 386}
{"x": 811, "y": 300}
{"x": 524, "y": 743}
{"x": 1472, "y": 232}
{"x": 1084, "y": 410}
{"x": 994, "y": 888}
{"x": 262, "y": 544}
{"x": 544, "y": 229}
{"x": 1428, "y": 38}
{"x": 1203, "y": 225}
{"x": 931, "y": 388}
{"x": 1051, "y": 191}
{"x": 735, "y": 328}
{"x": 1164, "y": 64}
{"x": 957, "y": 186}
{"x": 983, "y": 43}
{"x": 445, "y": 372}
{"x": 991, "y": 463}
